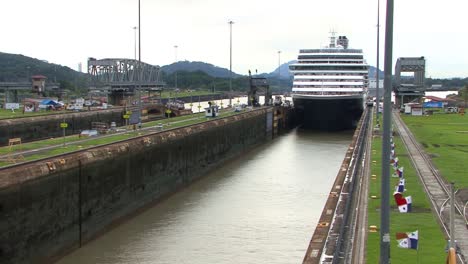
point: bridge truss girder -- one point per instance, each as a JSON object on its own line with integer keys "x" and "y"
{"x": 114, "y": 72}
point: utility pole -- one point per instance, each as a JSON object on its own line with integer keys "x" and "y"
{"x": 279, "y": 64}
{"x": 139, "y": 32}
{"x": 377, "y": 71}
{"x": 387, "y": 123}
{"x": 230, "y": 62}
{"x": 135, "y": 38}
{"x": 452, "y": 216}
{"x": 139, "y": 64}
{"x": 175, "y": 48}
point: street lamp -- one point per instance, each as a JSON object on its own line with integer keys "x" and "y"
{"x": 387, "y": 123}
{"x": 139, "y": 63}
{"x": 139, "y": 32}
{"x": 175, "y": 72}
{"x": 135, "y": 35}
{"x": 279, "y": 64}
{"x": 230, "y": 62}
{"x": 377, "y": 71}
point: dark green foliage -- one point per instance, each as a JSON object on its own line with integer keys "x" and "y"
{"x": 193, "y": 66}
{"x": 199, "y": 80}
{"x": 455, "y": 83}
{"x": 19, "y": 68}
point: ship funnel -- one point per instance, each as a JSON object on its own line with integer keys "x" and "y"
{"x": 343, "y": 41}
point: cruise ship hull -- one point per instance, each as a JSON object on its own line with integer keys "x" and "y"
{"x": 329, "y": 113}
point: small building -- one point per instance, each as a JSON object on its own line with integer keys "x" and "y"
{"x": 416, "y": 110}
{"x": 212, "y": 111}
{"x": 38, "y": 83}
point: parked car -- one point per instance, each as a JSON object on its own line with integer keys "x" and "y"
{"x": 89, "y": 133}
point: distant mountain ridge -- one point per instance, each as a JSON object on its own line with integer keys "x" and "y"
{"x": 373, "y": 71}
{"x": 19, "y": 68}
{"x": 193, "y": 66}
{"x": 282, "y": 71}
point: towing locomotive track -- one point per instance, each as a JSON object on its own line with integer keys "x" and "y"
{"x": 436, "y": 188}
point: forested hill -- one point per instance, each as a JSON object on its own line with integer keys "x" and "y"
{"x": 19, "y": 68}
{"x": 193, "y": 66}
{"x": 190, "y": 75}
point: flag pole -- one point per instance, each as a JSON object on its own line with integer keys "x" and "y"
{"x": 417, "y": 253}
{"x": 417, "y": 248}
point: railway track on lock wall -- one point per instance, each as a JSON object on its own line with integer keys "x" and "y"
{"x": 355, "y": 234}
{"x": 351, "y": 238}
{"x": 437, "y": 189}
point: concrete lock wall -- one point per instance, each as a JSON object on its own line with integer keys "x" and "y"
{"x": 50, "y": 207}
{"x": 35, "y": 128}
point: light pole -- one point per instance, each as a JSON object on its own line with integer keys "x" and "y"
{"x": 139, "y": 64}
{"x": 279, "y": 64}
{"x": 377, "y": 71}
{"x": 175, "y": 61}
{"x": 139, "y": 32}
{"x": 387, "y": 123}
{"x": 230, "y": 62}
{"x": 135, "y": 35}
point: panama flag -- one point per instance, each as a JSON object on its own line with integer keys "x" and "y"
{"x": 399, "y": 199}
{"x": 401, "y": 186}
{"x": 403, "y": 203}
{"x": 399, "y": 172}
{"x": 409, "y": 201}
{"x": 395, "y": 165}
{"x": 408, "y": 240}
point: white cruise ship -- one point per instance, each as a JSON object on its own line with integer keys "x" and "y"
{"x": 330, "y": 85}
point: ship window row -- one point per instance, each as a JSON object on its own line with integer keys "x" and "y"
{"x": 328, "y": 80}
{"x": 330, "y": 93}
{"x": 330, "y": 74}
{"x": 330, "y": 62}
{"x": 331, "y": 67}
{"x": 331, "y": 77}
{"x": 330, "y": 51}
{"x": 329, "y": 57}
{"x": 328, "y": 86}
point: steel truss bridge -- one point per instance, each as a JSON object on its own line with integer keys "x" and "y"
{"x": 120, "y": 78}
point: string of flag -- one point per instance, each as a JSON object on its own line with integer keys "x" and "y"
{"x": 408, "y": 240}
{"x": 403, "y": 203}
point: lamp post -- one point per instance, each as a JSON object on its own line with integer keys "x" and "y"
{"x": 135, "y": 38}
{"x": 139, "y": 32}
{"x": 175, "y": 61}
{"x": 139, "y": 63}
{"x": 377, "y": 71}
{"x": 387, "y": 122}
{"x": 279, "y": 64}
{"x": 230, "y": 61}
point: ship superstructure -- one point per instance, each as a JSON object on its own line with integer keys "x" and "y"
{"x": 330, "y": 85}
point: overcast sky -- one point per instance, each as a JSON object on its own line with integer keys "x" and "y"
{"x": 67, "y": 32}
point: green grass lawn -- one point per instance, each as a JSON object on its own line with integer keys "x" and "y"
{"x": 445, "y": 139}
{"x": 431, "y": 239}
{"x": 73, "y": 145}
{"x": 7, "y": 113}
